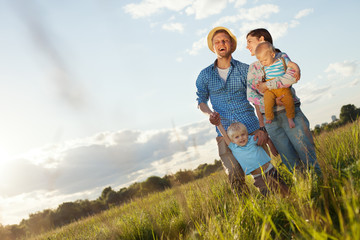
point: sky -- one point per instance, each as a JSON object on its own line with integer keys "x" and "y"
{"x": 102, "y": 93}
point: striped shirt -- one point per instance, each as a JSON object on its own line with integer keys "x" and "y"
{"x": 228, "y": 98}
{"x": 276, "y": 69}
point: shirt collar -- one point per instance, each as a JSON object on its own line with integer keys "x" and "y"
{"x": 231, "y": 63}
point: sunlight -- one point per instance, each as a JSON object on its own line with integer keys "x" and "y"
{"x": 4, "y": 155}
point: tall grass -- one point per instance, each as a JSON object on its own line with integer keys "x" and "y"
{"x": 317, "y": 208}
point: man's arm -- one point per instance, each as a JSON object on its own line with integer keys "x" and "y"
{"x": 214, "y": 117}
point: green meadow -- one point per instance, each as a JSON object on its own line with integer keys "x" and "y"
{"x": 317, "y": 208}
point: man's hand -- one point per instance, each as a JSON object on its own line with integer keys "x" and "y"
{"x": 215, "y": 118}
{"x": 261, "y": 87}
{"x": 261, "y": 136}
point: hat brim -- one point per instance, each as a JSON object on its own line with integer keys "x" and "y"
{"x": 211, "y": 35}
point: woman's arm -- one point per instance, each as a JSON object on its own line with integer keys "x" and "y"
{"x": 254, "y": 77}
{"x": 294, "y": 66}
{"x": 260, "y": 116}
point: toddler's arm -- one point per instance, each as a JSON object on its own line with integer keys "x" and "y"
{"x": 223, "y": 132}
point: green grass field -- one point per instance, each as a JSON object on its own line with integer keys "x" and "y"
{"x": 326, "y": 208}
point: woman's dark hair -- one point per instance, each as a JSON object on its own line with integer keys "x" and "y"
{"x": 262, "y": 32}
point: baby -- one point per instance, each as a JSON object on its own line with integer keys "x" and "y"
{"x": 275, "y": 67}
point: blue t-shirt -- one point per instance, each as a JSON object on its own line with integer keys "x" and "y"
{"x": 250, "y": 156}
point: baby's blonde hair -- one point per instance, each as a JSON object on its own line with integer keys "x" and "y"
{"x": 264, "y": 46}
{"x": 236, "y": 128}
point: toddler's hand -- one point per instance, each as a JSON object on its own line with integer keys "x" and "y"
{"x": 215, "y": 118}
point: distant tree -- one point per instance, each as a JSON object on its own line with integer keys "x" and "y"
{"x": 97, "y": 206}
{"x": 16, "y": 231}
{"x": 154, "y": 184}
{"x": 5, "y": 233}
{"x": 39, "y": 222}
{"x": 105, "y": 192}
{"x": 184, "y": 176}
{"x": 66, "y": 213}
{"x": 317, "y": 129}
{"x": 349, "y": 113}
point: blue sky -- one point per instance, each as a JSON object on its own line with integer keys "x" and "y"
{"x": 102, "y": 93}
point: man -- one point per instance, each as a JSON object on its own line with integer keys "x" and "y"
{"x": 224, "y": 82}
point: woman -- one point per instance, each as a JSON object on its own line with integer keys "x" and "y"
{"x": 295, "y": 145}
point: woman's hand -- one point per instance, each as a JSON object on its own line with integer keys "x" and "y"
{"x": 296, "y": 69}
{"x": 278, "y": 101}
{"x": 261, "y": 87}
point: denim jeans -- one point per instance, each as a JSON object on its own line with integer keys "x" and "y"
{"x": 295, "y": 145}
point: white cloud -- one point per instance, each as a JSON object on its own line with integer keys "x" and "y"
{"x": 355, "y": 82}
{"x": 239, "y": 3}
{"x": 81, "y": 168}
{"x": 310, "y": 93}
{"x": 197, "y": 46}
{"x": 174, "y": 27}
{"x": 205, "y": 8}
{"x": 304, "y": 13}
{"x": 251, "y": 14}
{"x": 263, "y": 11}
{"x": 201, "y": 32}
{"x": 277, "y": 30}
{"x": 147, "y": 8}
{"x": 200, "y": 8}
{"x": 345, "y": 69}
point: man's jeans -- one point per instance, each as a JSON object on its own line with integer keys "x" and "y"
{"x": 295, "y": 145}
{"x": 232, "y": 168}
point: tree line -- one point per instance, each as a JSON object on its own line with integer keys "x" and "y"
{"x": 68, "y": 212}
{"x": 348, "y": 113}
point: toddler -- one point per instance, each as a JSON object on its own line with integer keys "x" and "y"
{"x": 253, "y": 159}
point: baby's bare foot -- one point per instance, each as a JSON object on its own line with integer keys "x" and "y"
{"x": 291, "y": 123}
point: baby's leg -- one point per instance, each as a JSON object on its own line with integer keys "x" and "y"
{"x": 269, "y": 101}
{"x": 288, "y": 102}
{"x": 291, "y": 122}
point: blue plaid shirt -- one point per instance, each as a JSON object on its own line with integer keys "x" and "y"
{"x": 227, "y": 98}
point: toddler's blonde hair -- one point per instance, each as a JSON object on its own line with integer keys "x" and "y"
{"x": 236, "y": 128}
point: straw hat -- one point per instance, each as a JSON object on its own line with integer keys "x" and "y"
{"x": 211, "y": 35}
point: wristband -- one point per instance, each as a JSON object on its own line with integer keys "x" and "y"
{"x": 263, "y": 129}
